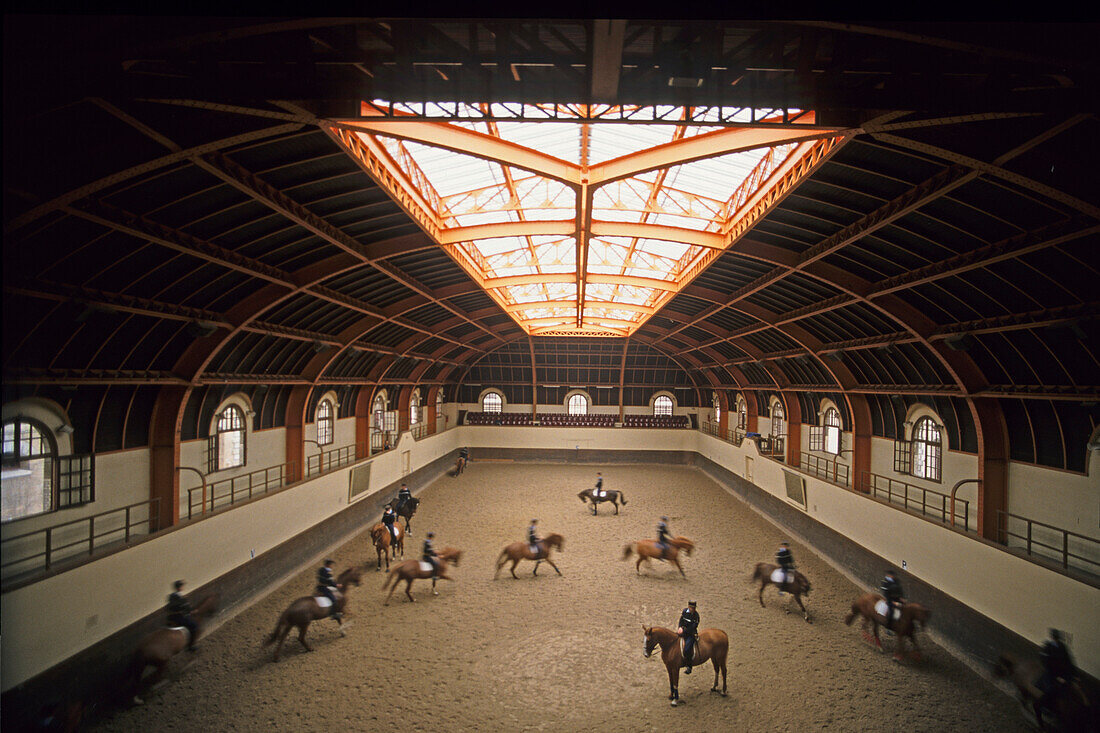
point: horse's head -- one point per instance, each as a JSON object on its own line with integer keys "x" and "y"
{"x": 351, "y": 575}
{"x": 207, "y": 607}
{"x": 684, "y": 544}
{"x": 919, "y": 613}
{"x": 583, "y": 496}
{"x": 451, "y": 555}
{"x": 650, "y": 641}
{"x": 556, "y": 541}
{"x": 1004, "y": 666}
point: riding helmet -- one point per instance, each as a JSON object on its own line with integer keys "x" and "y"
{"x": 178, "y": 584}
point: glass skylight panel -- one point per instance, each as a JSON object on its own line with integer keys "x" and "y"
{"x": 561, "y": 140}
{"x": 607, "y": 142}
{"x": 498, "y": 245}
{"x": 663, "y": 248}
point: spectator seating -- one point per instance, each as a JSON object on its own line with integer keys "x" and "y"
{"x": 655, "y": 421}
{"x": 498, "y": 418}
{"x": 559, "y": 420}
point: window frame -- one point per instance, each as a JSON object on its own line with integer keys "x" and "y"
{"x": 415, "y": 416}
{"x": 742, "y": 413}
{"x": 666, "y": 406}
{"x": 780, "y": 421}
{"x": 326, "y": 422}
{"x": 573, "y": 399}
{"x": 220, "y": 429}
{"x": 497, "y": 400}
{"x": 832, "y": 431}
{"x": 49, "y": 455}
{"x": 926, "y": 451}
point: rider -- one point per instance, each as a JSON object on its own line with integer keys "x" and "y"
{"x": 389, "y": 518}
{"x": 533, "y": 537}
{"x": 403, "y": 497}
{"x": 1058, "y": 668}
{"x": 599, "y": 484}
{"x": 428, "y": 554}
{"x": 327, "y": 587}
{"x": 179, "y": 614}
{"x": 663, "y": 536}
{"x": 785, "y": 559}
{"x": 688, "y": 628}
{"x": 894, "y": 595}
{"x": 464, "y": 454}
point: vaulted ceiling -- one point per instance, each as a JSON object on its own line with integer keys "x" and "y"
{"x": 181, "y": 209}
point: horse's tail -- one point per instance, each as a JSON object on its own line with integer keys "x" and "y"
{"x": 275, "y": 633}
{"x": 756, "y": 573}
{"x": 627, "y": 550}
{"x": 392, "y": 576}
{"x": 622, "y": 498}
{"x": 851, "y": 614}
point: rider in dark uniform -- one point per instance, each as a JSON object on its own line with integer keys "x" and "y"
{"x": 179, "y": 614}
{"x": 428, "y": 554}
{"x": 389, "y": 518}
{"x": 894, "y": 595}
{"x": 688, "y": 627}
{"x": 663, "y": 536}
{"x": 785, "y": 560}
{"x": 327, "y": 587}
{"x": 464, "y": 453}
{"x": 599, "y": 483}
{"x": 1058, "y": 669}
{"x": 533, "y": 537}
{"x": 403, "y": 496}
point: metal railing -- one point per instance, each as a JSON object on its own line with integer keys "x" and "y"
{"x": 43, "y": 548}
{"x": 1061, "y": 549}
{"x": 382, "y": 440}
{"x": 772, "y": 446}
{"x": 926, "y": 502}
{"x": 334, "y": 458}
{"x": 238, "y": 488}
{"x": 730, "y": 436}
{"x": 825, "y": 468}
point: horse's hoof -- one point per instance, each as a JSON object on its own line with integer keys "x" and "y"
{"x": 435, "y": 593}
{"x": 672, "y": 703}
{"x": 138, "y": 700}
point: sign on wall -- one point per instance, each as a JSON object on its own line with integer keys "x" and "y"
{"x": 796, "y": 488}
{"x": 359, "y": 481}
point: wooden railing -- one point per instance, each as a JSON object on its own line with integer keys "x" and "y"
{"x": 825, "y": 468}
{"x": 772, "y": 446}
{"x": 41, "y": 549}
{"x": 730, "y": 436}
{"x": 220, "y": 494}
{"x": 335, "y": 458}
{"x": 1065, "y": 547}
{"x": 926, "y": 502}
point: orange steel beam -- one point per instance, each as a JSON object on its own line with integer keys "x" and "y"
{"x": 642, "y": 230}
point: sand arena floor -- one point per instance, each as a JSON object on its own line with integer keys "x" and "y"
{"x": 565, "y": 653}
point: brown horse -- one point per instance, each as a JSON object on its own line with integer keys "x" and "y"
{"x": 796, "y": 584}
{"x": 1070, "y": 707}
{"x": 522, "y": 551}
{"x": 460, "y": 466}
{"x": 611, "y": 496}
{"x": 648, "y": 549}
{"x": 407, "y": 511}
{"x": 306, "y": 610}
{"x": 384, "y": 544}
{"x": 410, "y": 570}
{"x": 158, "y": 648}
{"x": 713, "y": 644}
{"x": 904, "y": 627}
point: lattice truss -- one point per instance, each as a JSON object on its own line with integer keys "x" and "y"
{"x": 588, "y": 222}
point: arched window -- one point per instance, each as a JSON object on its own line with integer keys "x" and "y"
{"x": 662, "y": 405}
{"x": 492, "y": 402}
{"x": 228, "y": 444}
{"x": 742, "y": 413}
{"x": 717, "y": 408}
{"x": 779, "y": 419}
{"x": 578, "y": 405}
{"x": 378, "y": 411}
{"x": 326, "y": 423}
{"x": 414, "y": 407}
{"x": 927, "y": 449}
{"x": 28, "y": 469}
{"x": 832, "y": 431}
{"x": 438, "y": 409}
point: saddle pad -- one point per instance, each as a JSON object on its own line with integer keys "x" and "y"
{"x": 322, "y": 601}
{"x": 425, "y": 566}
{"x": 600, "y": 494}
{"x": 880, "y": 609}
{"x": 777, "y": 575}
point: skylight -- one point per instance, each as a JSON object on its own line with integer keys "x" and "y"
{"x": 577, "y": 219}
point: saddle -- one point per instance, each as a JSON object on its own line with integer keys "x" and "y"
{"x": 777, "y": 575}
{"x": 426, "y": 566}
{"x": 537, "y": 550}
{"x": 322, "y": 601}
{"x": 881, "y": 607}
{"x": 599, "y": 494}
{"x": 694, "y": 650}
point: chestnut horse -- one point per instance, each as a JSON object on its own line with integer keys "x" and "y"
{"x": 522, "y": 551}
{"x": 1070, "y": 706}
{"x": 460, "y": 466}
{"x": 905, "y": 626}
{"x": 410, "y": 570}
{"x": 648, "y": 549}
{"x": 611, "y": 496}
{"x": 306, "y": 610}
{"x": 407, "y": 511}
{"x": 384, "y": 544}
{"x": 796, "y": 584}
{"x": 158, "y": 648}
{"x": 713, "y": 644}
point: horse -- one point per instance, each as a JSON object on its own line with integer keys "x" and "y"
{"x": 410, "y": 570}
{"x": 796, "y": 584}
{"x": 305, "y": 610}
{"x": 405, "y": 512}
{"x": 647, "y": 549}
{"x": 460, "y": 466}
{"x": 522, "y": 551}
{"x": 384, "y": 544}
{"x": 611, "y": 496}
{"x": 1070, "y": 706}
{"x": 713, "y": 644}
{"x": 904, "y": 627}
{"x": 158, "y": 648}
